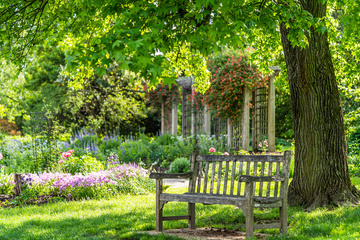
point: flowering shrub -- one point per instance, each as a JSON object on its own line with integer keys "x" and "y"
{"x": 263, "y": 145}
{"x": 83, "y": 164}
{"x": 162, "y": 93}
{"x": 212, "y": 151}
{"x": 230, "y": 74}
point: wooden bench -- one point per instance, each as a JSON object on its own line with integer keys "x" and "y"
{"x": 246, "y": 181}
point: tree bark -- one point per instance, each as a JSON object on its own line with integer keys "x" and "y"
{"x": 321, "y": 175}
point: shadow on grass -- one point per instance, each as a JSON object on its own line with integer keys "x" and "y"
{"x": 122, "y": 219}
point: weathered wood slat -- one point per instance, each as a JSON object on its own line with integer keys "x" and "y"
{"x": 267, "y": 226}
{"x": 171, "y": 218}
{"x": 199, "y": 177}
{"x": 204, "y": 198}
{"x": 239, "y": 181}
{"x": 269, "y": 183}
{"x": 212, "y": 177}
{"x": 232, "y": 178}
{"x": 248, "y": 168}
{"x": 226, "y": 177}
{"x": 219, "y": 178}
{"x": 277, "y": 183}
{"x": 248, "y": 178}
{"x": 206, "y": 176}
{"x": 244, "y": 158}
{"x": 254, "y": 174}
{"x": 261, "y": 175}
{"x": 155, "y": 175}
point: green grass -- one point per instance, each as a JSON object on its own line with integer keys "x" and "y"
{"x": 126, "y": 216}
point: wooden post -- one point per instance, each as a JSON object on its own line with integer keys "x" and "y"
{"x": 174, "y": 118}
{"x": 245, "y": 123}
{"x": 271, "y": 112}
{"x": 207, "y": 121}
{"x": 18, "y": 184}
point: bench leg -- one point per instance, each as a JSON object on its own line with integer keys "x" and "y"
{"x": 283, "y": 220}
{"x": 250, "y": 222}
{"x": 191, "y": 215}
{"x": 159, "y": 207}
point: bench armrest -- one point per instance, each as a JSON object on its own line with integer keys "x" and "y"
{"x": 247, "y": 178}
{"x": 155, "y": 175}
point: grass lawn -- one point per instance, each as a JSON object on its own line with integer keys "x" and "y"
{"x": 121, "y": 218}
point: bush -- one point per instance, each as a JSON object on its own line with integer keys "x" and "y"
{"x": 180, "y": 165}
{"x": 84, "y": 164}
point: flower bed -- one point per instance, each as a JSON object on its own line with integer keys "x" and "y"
{"x": 119, "y": 179}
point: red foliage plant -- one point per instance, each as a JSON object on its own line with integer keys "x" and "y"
{"x": 230, "y": 74}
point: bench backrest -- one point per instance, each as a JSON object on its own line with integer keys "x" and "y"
{"x": 221, "y": 174}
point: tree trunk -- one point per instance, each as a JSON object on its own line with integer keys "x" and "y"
{"x": 321, "y": 175}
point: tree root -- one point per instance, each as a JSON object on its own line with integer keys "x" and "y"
{"x": 325, "y": 199}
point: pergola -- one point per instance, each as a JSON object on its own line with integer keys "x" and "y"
{"x": 238, "y": 132}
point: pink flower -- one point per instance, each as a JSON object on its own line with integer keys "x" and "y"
{"x": 1, "y": 156}
{"x": 226, "y": 153}
{"x": 66, "y": 154}
{"x": 61, "y": 161}
{"x": 212, "y": 150}
{"x": 71, "y": 151}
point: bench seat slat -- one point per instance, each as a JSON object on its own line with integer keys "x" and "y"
{"x": 204, "y": 198}
{"x": 215, "y": 198}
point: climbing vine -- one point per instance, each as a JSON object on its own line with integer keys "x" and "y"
{"x": 231, "y": 72}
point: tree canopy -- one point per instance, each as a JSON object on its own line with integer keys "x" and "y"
{"x": 139, "y": 34}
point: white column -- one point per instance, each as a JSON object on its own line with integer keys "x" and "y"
{"x": 245, "y": 121}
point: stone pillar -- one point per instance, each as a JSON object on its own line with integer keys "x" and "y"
{"x": 207, "y": 121}
{"x": 174, "y": 116}
{"x": 165, "y": 119}
{"x": 271, "y": 110}
{"x": 245, "y": 121}
{"x": 193, "y": 119}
